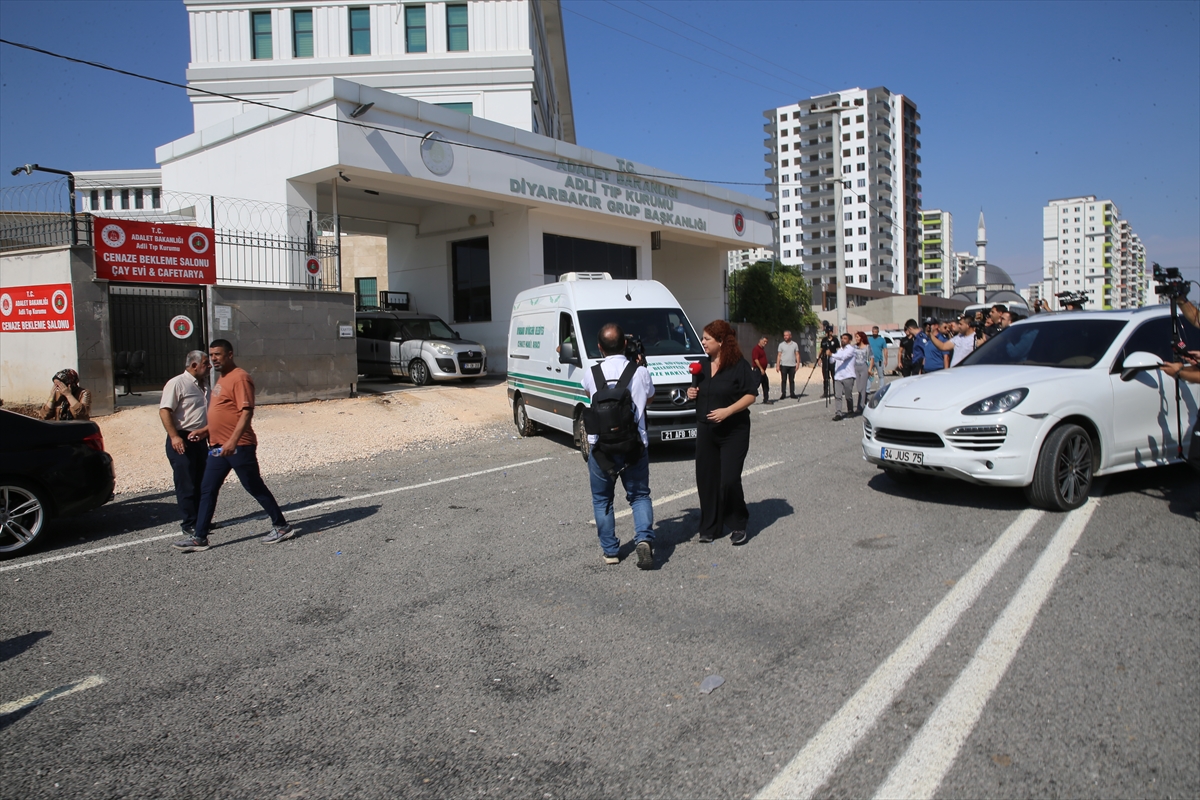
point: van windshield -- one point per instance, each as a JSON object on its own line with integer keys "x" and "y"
{"x": 662, "y": 331}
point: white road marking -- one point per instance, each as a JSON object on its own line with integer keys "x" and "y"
{"x": 668, "y": 498}
{"x": 32, "y": 700}
{"x": 291, "y": 513}
{"x": 793, "y": 405}
{"x": 933, "y": 751}
{"x": 837, "y": 738}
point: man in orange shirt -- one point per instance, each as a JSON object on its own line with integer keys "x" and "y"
{"x": 232, "y": 446}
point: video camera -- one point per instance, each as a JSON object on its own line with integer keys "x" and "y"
{"x": 1170, "y": 283}
{"x": 1076, "y": 299}
{"x": 634, "y": 349}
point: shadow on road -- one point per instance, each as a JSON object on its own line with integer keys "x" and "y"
{"x": 308, "y": 526}
{"x": 1178, "y": 484}
{"x": 950, "y": 492}
{"x": 11, "y": 648}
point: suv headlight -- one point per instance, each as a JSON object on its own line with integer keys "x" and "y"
{"x": 878, "y": 396}
{"x": 441, "y": 349}
{"x": 997, "y": 403}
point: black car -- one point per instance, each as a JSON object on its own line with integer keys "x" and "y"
{"x": 48, "y": 469}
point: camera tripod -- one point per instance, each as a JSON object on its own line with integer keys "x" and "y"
{"x": 809, "y": 378}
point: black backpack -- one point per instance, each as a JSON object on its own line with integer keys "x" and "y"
{"x": 613, "y": 416}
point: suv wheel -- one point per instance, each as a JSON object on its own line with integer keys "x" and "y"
{"x": 418, "y": 371}
{"x": 1063, "y": 476}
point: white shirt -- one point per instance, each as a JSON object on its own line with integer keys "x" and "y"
{"x": 641, "y": 389}
{"x": 963, "y": 345}
{"x": 843, "y": 358}
{"x": 188, "y": 402}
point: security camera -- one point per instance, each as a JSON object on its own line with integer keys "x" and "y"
{"x": 342, "y": 175}
{"x": 27, "y": 169}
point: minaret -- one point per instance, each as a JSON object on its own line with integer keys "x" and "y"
{"x": 981, "y": 261}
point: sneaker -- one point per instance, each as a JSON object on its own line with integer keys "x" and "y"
{"x": 279, "y": 534}
{"x": 645, "y": 554}
{"x": 191, "y": 544}
{"x": 613, "y": 559}
{"x": 838, "y": 417}
{"x": 704, "y": 538}
{"x": 190, "y": 530}
{"x": 737, "y": 537}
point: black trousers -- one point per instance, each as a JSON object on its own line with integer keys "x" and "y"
{"x": 826, "y": 372}
{"x": 188, "y": 468}
{"x": 720, "y": 456}
{"x": 787, "y": 375}
{"x": 764, "y": 383}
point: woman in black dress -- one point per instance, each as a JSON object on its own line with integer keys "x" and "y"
{"x": 723, "y": 398}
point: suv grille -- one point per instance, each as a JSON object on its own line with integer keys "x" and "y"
{"x": 910, "y": 438}
{"x": 979, "y": 438}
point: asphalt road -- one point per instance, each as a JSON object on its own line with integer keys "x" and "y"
{"x": 443, "y": 626}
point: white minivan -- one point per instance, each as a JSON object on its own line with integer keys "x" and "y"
{"x": 552, "y": 339}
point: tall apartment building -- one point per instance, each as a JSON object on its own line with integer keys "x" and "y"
{"x": 938, "y": 273}
{"x": 866, "y": 156}
{"x": 504, "y": 61}
{"x": 740, "y": 259}
{"x": 1082, "y": 251}
{"x": 963, "y": 264}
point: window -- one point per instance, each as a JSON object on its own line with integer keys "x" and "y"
{"x": 414, "y": 29}
{"x": 569, "y": 254}
{"x": 472, "y": 279}
{"x": 787, "y": 192}
{"x": 784, "y": 179}
{"x": 862, "y": 262}
{"x": 862, "y": 182}
{"x": 366, "y": 293}
{"x": 858, "y": 151}
{"x": 849, "y": 248}
{"x": 848, "y": 232}
{"x": 95, "y": 204}
{"x": 360, "y": 31}
{"x": 302, "y": 34}
{"x": 155, "y": 197}
{"x": 849, "y": 215}
{"x": 260, "y": 34}
{"x": 862, "y": 231}
{"x": 862, "y": 215}
{"x": 462, "y": 108}
{"x": 846, "y": 169}
{"x": 138, "y": 199}
{"x": 845, "y": 120}
{"x": 787, "y": 253}
{"x": 846, "y": 153}
{"x": 787, "y": 223}
{"x": 862, "y": 278}
{"x": 125, "y": 199}
{"x": 858, "y": 135}
{"x": 787, "y": 238}
{"x": 862, "y": 198}
{"x": 861, "y": 167}
{"x": 862, "y": 245}
{"x": 845, "y": 137}
{"x": 848, "y": 199}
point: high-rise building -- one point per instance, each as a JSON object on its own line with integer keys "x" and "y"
{"x": 1082, "y": 252}
{"x": 938, "y": 274}
{"x": 740, "y": 259}
{"x": 846, "y": 186}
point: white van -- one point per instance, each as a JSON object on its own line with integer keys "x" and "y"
{"x": 552, "y": 340}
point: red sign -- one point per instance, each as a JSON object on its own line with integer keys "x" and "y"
{"x": 36, "y": 309}
{"x": 154, "y": 252}
{"x": 313, "y": 266}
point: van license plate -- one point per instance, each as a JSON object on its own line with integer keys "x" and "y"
{"x": 686, "y": 433}
{"x": 902, "y": 456}
{"x": 470, "y": 365}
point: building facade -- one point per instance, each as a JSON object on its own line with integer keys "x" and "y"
{"x": 503, "y": 60}
{"x": 846, "y": 185}
{"x": 938, "y": 274}
{"x": 740, "y": 259}
{"x": 1088, "y": 248}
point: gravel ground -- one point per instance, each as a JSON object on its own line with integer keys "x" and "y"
{"x": 300, "y": 436}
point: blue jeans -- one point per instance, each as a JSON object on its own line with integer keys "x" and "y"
{"x": 244, "y": 462}
{"x": 636, "y": 479}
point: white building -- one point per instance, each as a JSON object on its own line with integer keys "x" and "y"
{"x": 475, "y": 206}
{"x": 740, "y": 259}
{"x": 503, "y": 60}
{"x": 1085, "y": 248}
{"x": 938, "y": 273}
{"x": 847, "y": 185}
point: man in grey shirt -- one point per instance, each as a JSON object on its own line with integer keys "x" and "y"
{"x": 786, "y": 361}
{"x": 183, "y": 409}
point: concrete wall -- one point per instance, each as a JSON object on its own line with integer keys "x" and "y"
{"x": 694, "y": 274}
{"x": 288, "y": 341}
{"x": 29, "y": 360}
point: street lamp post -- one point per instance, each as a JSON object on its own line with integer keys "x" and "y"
{"x": 839, "y": 236}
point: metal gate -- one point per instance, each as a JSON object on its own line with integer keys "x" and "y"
{"x": 165, "y": 322}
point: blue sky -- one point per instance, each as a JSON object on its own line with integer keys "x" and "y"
{"x": 1020, "y": 102}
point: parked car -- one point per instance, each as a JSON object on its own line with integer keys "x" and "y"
{"x": 421, "y": 347}
{"x": 47, "y": 470}
{"x": 1048, "y": 404}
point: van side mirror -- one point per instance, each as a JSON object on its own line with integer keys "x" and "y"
{"x": 567, "y": 354}
{"x": 1138, "y": 362}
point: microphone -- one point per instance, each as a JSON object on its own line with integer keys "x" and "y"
{"x": 695, "y": 368}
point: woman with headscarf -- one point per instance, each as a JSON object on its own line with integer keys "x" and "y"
{"x": 69, "y": 400}
{"x": 723, "y": 394}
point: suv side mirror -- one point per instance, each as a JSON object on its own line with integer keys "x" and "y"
{"x": 567, "y": 354}
{"x": 1139, "y": 361}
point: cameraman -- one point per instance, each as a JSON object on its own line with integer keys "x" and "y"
{"x": 829, "y": 344}
{"x": 633, "y": 469}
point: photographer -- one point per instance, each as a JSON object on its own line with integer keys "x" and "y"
{"x": 624, "y": 450}
{"x": 829, "y": 344}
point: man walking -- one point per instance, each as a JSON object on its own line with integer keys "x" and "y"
{"x": 843, "y": 378}
{"x": 233, "y": 446}
{"x": 758, "y": 359}
{"x": 828, "y": 344}
{"x": 183, "y": 411}
{"x": 786, "y": 361}
{"x": 878, "y": 352}
{"x": 633, "y": 467}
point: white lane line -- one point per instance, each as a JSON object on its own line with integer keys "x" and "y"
{"x": 32, "y": 700}
{"x": 837, "y": 738}
{"x": 292, "y": 512}
{"x": 933, "y": 751}
{"x": 793, "y": 405}
{"x": 670, "y": 497}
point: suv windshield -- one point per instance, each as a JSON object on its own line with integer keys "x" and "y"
{"x": 1063, "y": 340}
{"x": 662, "y": 331}
{"x": 431, "y": 328}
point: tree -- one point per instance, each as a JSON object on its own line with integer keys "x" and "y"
{"x": 773, "y": 297}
